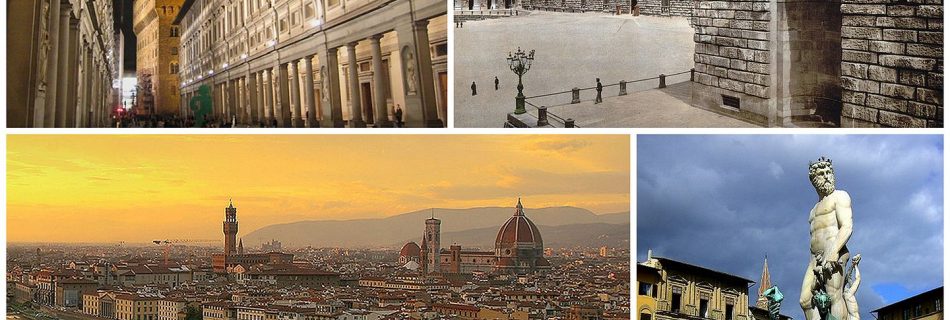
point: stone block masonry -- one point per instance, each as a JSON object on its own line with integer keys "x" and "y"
{"x": 682, "y": 8}
{"x": 732, "y": 54}
{"x": 892, "y": 63}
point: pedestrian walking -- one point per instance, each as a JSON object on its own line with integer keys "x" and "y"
{"x": 474, "y": 92}
{"x": 398, "y": 114}
{"x": 496, "y": 83}
{"x": 600, "y": 88}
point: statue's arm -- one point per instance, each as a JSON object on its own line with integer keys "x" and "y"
{"x": 845, "y": 223}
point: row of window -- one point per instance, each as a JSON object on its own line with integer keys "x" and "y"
{"x": 676, "y": 303}
{"x": 235, "y": 18}
{"x": 169, "y": 10}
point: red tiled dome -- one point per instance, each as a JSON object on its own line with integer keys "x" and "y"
{"x": 518, "y": 229}
{"x": 411, "y": 249}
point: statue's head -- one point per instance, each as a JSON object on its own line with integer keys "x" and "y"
{"x": 822, "y": 176}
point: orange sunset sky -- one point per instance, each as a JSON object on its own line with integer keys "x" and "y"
{"x": 136, "y": 188}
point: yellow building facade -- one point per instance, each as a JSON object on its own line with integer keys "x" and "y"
{"x": 670, "y": 289}
{"x": 134, "y": 307}
{"x": 156, "y": 65}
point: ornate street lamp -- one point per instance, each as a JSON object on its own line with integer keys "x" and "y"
{"x": 520, "y": 63}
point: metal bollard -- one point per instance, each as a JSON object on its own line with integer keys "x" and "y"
{"x": 575, "y": 95}
{"x": 623, "y": 87}
{"x": 542, "y": 116}
{"x": 569, "y": 123}
{"x": 692, "y": 75}
{"x": 662, "y": 81}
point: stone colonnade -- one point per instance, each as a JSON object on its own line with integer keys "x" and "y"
{"x": 60, "y": 65}
{"x": 341, "y": 74}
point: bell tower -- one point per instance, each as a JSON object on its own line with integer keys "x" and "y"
{"x": 230, "y": 229}
{"x": 431, "y": 244}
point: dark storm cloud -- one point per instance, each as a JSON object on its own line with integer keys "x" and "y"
{"x": 724, "y": 202}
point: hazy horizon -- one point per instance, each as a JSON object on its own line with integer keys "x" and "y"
{"x": 105, "y": 188}
{"x": 149, "y": 242}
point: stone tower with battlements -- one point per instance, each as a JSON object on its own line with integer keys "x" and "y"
{"x": 230, "y": 229}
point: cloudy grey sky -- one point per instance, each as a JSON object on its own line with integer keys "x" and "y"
{"x": 725, "y": 201}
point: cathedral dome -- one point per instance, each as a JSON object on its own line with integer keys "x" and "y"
{"x": 411, "y": 249}
{"x": 518, "y": 230}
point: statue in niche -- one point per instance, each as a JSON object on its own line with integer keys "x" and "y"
{"x": 410, "y": 64}
{"x": 44, "y": 46}
{"x": 325, "y": 83}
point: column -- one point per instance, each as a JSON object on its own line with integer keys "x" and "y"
{"x": 62, "y": 69}
{"x": 268, "y": 98}
{"x": 72, "y": 94}
{"x": 333, "y": 74}
{"x": 308, "y": 92}
{"x": 83, "y": 107}
{"x": 219, "y": 101}
{"x": 224, "y": 101}
{"x": 103, "y": 95}
{"x": 253, "y": 117}
{"x": 297, "y": 120}
{"x": 283, "y": 106}
{"x": 430, "y": 105}
{"x": 94, "y": 97}
{"x": 87, "y": 103}
{"x": 43, "y": 116}
{"x": 356, "y": 111}
{"x": 258, "y": 77}
{"x": 232, "y": 105}
{"x": 380, "y": 84}
{"x": 421, "y": 105}
{"x": 241, "y": 101}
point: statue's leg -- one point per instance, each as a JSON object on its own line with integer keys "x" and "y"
{"x": 835, "y": 289}
{"x": 808, "y": 284}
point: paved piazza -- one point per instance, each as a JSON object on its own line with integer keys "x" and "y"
{"x": 572, "y": 49}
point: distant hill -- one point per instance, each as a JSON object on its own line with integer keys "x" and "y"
{"x": 395, "y": 230}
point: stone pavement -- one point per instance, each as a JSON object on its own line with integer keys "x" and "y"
{"x": 572, "y": 50}
{"x": 654, "y": 108}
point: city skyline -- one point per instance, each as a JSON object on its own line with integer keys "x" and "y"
{"x": 144, "y": 192}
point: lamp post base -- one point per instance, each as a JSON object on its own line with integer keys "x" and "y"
{"x": 519, "y": 104}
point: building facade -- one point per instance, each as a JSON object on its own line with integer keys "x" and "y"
{"x": 60, "y": 63}
{"x": 670, "y": 289}
{"x": 156, "y": 56}
{"x": 319, "y": 63}
{"x": 924, "y": 306}
{"x": 135, "y": 307}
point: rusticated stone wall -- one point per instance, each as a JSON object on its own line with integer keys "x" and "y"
{"x": 669, "y": 8}
{"x": 892, "y": 63}
{"x": 732, "y": 55}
